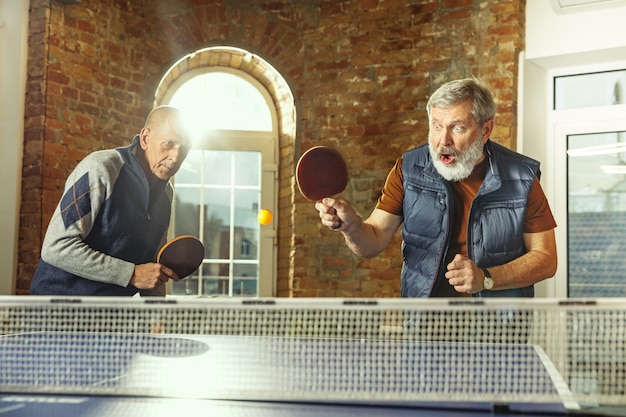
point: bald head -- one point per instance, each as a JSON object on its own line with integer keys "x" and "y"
{"x": 159, "y": 114}
{"x": 165, "y": 142}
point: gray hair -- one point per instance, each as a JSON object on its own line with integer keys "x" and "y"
{"x": 483, "y": 106}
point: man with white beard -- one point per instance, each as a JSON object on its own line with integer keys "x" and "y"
{"x": 475, "y": 221}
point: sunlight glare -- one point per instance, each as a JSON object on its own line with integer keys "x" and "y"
{"x": 219, "y": 100}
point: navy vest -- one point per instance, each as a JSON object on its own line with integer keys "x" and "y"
{"x": 130, "y": 226}
{"x": 496, "y": 219}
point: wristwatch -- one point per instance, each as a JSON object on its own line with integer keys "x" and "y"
{"x": 487, "y": 282}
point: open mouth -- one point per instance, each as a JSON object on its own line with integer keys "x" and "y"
{"x": 447, "y": 158}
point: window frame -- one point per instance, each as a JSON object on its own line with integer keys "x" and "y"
{"x": 542, "y": 134}
{"x": 265, "y": 142}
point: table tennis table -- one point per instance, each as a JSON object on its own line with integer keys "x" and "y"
{"x": 70, "y": 406}
{"x": 231, "y": 375}
{"x": 69, "y": 372}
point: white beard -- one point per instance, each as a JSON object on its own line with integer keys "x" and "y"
{"x": 463, "y": 164}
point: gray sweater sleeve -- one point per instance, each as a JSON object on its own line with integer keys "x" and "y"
{"x": 64, "y": 246}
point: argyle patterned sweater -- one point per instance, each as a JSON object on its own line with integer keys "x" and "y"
{"x": 108, "y": 220}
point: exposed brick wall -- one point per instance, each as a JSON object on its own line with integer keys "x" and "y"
{"x": 29, "y": 239}
{"x": 366, "y": 85}
{"x": 361, "y": 72}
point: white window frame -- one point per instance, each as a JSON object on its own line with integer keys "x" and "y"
{"x": 245, "y": 140}
{"x": 543, "y": 134}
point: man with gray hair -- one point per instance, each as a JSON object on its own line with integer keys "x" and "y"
{"x": 475, "y": 221}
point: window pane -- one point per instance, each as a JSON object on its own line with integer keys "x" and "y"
{"x": 217, "y": 281}
{"x": 245, "y": 279}
{"x": 217, "y": 223}
{"x": 246, "y": 224}
{"x": 187, "y": 286}
{"x": 187, "y": 211}
{"x": 217, "y": 167}
{"x": 597, "y": 215}
{"x": 189, "y": 171}
{"x": 248, "y": 170}
{"x": 589, "y": 90}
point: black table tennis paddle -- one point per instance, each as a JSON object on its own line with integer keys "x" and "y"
{"x": 183, "y": 255}
{"x": 321, "y": 172}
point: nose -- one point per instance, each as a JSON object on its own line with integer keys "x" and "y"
{"x": 175, "y": 152}
{"x": 442, "y": 137}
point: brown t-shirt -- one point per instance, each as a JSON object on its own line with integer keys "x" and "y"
{"x": 538, "y": 218}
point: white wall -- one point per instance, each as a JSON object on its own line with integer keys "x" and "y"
{"x": 584, "y": 38}
{"x": 13, "y": 53}
{"x": 597, "y": 30}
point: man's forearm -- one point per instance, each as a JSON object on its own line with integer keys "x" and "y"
{"x": 361, "y": 239}
{"x": 526, "y": 270}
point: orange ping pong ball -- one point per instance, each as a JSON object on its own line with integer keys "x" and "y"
{"x": 264, "y": 217}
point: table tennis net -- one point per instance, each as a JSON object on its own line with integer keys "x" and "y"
{"x": 329, "y": 350}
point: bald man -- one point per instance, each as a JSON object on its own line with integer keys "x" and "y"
{"x": 113, "y": 217}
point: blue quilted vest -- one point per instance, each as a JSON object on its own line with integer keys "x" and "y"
{"x": 496, "y": 219}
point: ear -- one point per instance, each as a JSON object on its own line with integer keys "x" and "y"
{"x": 486, "y": 129}
{"x": 144, "y": 136}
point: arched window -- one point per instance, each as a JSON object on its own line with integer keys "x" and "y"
{"x": 223, "y": 100}
{"x": 228, "y": 176}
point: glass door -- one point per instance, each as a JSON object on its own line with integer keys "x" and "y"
{"x": 589, "y": 171}
{"x": 596, "y": 214}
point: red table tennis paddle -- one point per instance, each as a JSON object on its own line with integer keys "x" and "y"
{"x": 321, "y": 172}
{"x": 183, "y": 255}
